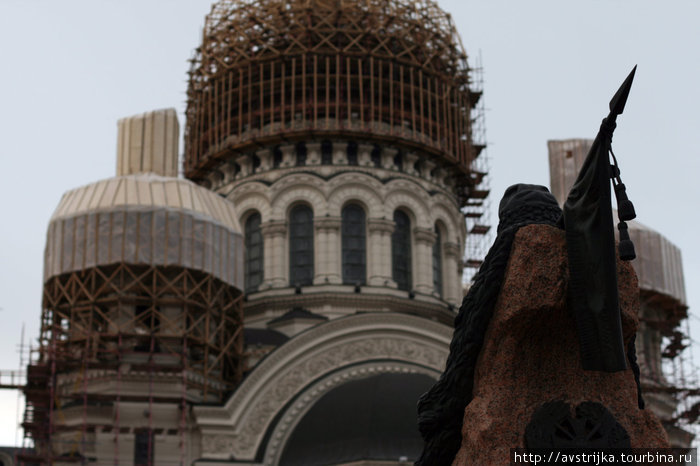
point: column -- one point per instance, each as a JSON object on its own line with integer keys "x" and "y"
{"x": 327, "y": 266}
{"x": 246, "y": 164}
{"x": 379, "y": 258}
{"x": 364, "y": 155}
{"x": 409, "y": 163}
{"x": 440, "y": 174}
{"x": 427, "y": 167}
{"x": 288, "y": 156}
{"x": 313, "y": 153}
{"x": 265, "y": 156}
{"x": 452, "y": 273}
{"x": 388, "y": 155}
{"x": 274, "y": 235}
{"x": 340, "y": 153}
{"x": 424, "y": 239}
{"x": 229, "y": 171}
{"x": 215, "y": 179}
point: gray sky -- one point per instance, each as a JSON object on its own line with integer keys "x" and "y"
{"x": 70, "y": 69}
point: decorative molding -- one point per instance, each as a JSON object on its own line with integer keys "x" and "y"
{"x": 327, "y": 223}
{"x": 214, "y": 444}
{"x": 306, "y": 400}
{"x": 311, "y": 356}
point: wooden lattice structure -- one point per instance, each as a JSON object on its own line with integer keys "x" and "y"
{"x": 383, "y": 71}
{"x": 142, "y": 307}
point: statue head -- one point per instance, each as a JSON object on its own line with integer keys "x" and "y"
{"x": 523, "y": 203}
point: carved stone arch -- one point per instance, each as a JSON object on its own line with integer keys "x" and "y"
{"x": 370, "y": 199}
{"x": 250, "y": 204}
{"x": 414, "y": 206}
{"x": 298, "y": 408}
{"x": 242, "y": 426}
{"x": 410, "y": 185}
{"x": 252, "y": 196}
{"x": 294, "y": 194}
{"x": 441, "y": 213}
{"x": 450, "y": 212}
{"x": 290, "y": 180}
{"x": 355, "y": 177}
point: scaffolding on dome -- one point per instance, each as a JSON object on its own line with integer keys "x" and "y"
{"x": 138, "y": 324}
{"x": 387, "y": 72}
{"x": 141, "y": 310}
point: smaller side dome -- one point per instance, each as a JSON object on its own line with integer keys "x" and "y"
{"x": 659, "y": 263}
{"x": 144, "y": 218}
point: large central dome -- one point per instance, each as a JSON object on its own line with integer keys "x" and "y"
{"x": 385, "y": 71}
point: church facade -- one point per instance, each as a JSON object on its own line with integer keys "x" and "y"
{"x": 292, "y": 297}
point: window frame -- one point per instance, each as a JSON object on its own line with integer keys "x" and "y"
{"x": 303, "y": 274}
{"x": 251, "y": 288}
{"x": 405, "y": 245}
{"x": 347, "y": 251}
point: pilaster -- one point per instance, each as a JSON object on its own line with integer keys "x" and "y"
{"x": 379, "y": 258}
{"x": 388, "y": 155}
{"x": 288, "y": 156}
{"x": 452, "y": 276}
{"x": 274, "y": 235}
{"x": 364, "y": 155}
{"x": 424, "y": 239}
{"x": 327, "y": 252}
{"x": 313, "y": 153}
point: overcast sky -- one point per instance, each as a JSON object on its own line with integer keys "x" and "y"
{"x": 69, "y": 69}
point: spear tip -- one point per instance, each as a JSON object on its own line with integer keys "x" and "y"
{"x": 617, "y": 104}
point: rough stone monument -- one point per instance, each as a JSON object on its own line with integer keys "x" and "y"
{"x": 543, "y": 351}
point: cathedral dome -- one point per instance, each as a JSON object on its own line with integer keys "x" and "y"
{"x": 125, "y": 218}
{"x": 271, "y": 71}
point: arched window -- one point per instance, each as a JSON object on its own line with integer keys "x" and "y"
{"x": 253, "y": 253}
{"x": 437, "y": 262}
{"x": 354, "y": 244}
{"x": 301, "y": 246}
{"x": 401, "y": 251}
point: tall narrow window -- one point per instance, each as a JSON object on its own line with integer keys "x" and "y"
{"x": 301, "y": 154}
{"x": 437, "y": 262}
{"x": 376, "y": 156}
{"x": 254, "y": 253}
{"x": 326, "y": 153}
{"x": 301, "y": 246}
{"x": 354, "y": 244}
{"x": 401, "y": 250}
{"x": 143, "y": 448}
{"x": 352, "y": 153}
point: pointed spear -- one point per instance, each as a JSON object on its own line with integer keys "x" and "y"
{"x": 590, "y": 242}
